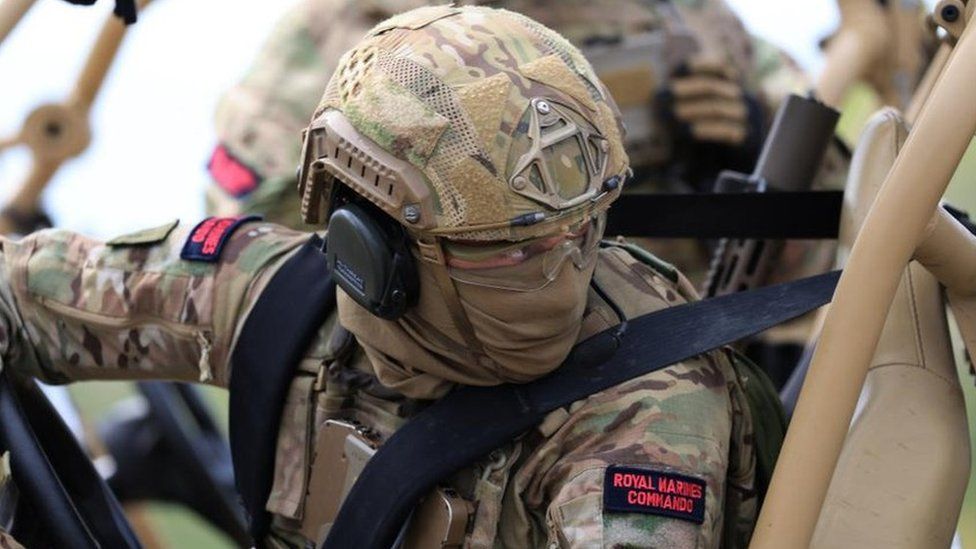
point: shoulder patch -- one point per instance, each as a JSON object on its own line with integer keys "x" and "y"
{"x": 207, "y": 239}
{"x": 639, "y": 490}
{"x": 145, "y": 237}
{"x": 231, "y": 174}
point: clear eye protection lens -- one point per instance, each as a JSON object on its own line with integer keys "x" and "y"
{"x": 525, "y": 266}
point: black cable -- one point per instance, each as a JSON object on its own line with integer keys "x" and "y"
{"x": 622, "y": 327}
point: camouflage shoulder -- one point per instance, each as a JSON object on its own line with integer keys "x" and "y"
{"x": 767, "y": 415}
{"x": 660, "y": 266}
{"x": 274, "y": 199}
{"x": 145, "y": 237}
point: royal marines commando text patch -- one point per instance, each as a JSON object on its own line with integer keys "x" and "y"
{"x": 208, "y": 237}
{"x": 633, "y": 490}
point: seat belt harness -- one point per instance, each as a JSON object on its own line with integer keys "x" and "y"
{"x": 470, "y": 422}
{"x": 278, "y": 330}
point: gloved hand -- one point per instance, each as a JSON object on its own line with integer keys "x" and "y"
{"x": 708, "y": 98}
{"x": 715, "y": 124}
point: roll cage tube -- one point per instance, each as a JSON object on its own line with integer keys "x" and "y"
{"x": 55, "y": 132}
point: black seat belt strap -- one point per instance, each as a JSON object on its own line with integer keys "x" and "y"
{"x": 291, "y": 310}
{"x": 470, "y": 422}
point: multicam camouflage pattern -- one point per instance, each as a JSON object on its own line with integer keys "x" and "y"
{"x": 8, "y": 542}
{"x": 691, "y": 418}
{"x": 446, "y": 88}
{"x": 75, "y": 309}
{"x": 72, "y": 308}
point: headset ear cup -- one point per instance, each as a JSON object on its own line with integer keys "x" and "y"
{"x": 369, "y": 257}
{"x": 407, "y": 287}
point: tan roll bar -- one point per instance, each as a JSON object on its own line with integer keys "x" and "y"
{"x": 857, "y": 45}
{"x": 57, "y": 132}
{"x": 924, "y": 88}
{"x": 895, "y": 225}
{"x": 11, "y": 12}
{"x": 948, "y": 251}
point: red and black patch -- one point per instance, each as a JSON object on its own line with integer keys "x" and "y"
{"x": 208, "y": 237}
{"x": 231, "y": 174}
{"x": 634, "y": 490}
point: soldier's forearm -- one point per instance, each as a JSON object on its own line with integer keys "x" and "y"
{"x": 73, "y": 308}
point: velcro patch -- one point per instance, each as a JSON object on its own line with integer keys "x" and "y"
{"x": 634, "y": 490}
{"x": 145, "y": 237}
{"x": 208, "y": 237}
{"x": 231, "y": 174}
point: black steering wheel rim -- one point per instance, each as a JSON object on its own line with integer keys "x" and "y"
{"x": 54, "y": 475}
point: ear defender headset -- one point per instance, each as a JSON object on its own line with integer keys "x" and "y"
{"x": 369, "y": 256}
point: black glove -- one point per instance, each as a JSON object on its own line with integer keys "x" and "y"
{"x": 716, "y": 125}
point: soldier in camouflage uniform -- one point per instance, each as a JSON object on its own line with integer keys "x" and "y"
{"x": 458, "y": 97}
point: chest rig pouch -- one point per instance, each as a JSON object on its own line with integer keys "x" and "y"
{"x": 341, "y": 453}
{"x": 280, "y": 327}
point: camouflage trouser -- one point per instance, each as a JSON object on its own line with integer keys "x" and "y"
{"x": 6, "y": 540}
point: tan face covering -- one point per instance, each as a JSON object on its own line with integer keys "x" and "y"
{"x": 524, "y": 333}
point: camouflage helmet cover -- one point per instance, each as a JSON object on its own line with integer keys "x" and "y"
{"x": 468, "y": 123}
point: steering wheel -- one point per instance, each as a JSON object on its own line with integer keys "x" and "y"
{"x": 62, "y": 500}
{"x": 172, "y": 450}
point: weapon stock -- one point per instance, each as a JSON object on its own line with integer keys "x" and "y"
{"x": 790, "y": 160}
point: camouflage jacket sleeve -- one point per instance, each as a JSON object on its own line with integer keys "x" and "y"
{"x": 672, "y": 425}
{"x": 72, "y": 308}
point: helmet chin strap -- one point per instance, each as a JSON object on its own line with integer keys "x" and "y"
{"x": 432, "y": 252}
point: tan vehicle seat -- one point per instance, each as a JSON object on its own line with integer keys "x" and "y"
{"x": 903, "y": 471}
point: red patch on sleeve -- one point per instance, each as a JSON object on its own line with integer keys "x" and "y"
{"x": 208, "y": 237}
{"x": 636, "y": 490}
{"x": 231, "y": 174}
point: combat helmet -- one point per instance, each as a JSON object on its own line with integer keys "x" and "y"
{"x": 467, "y": 124}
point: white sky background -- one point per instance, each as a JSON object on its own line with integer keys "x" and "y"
{"x": 153, "y": 122}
